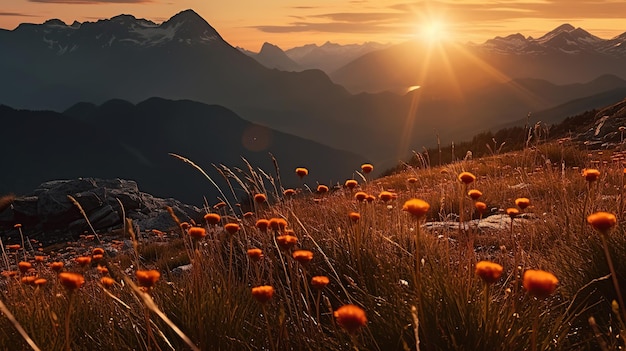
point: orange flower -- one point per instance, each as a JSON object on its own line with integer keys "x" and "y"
{"x": 360, "y": 196}
{"x": 301, "y": 172}
{"x": 260, "y": 198}
{"x": 14, "y": 247}
{"x": 71, "y": 281}
{"x": 350, "y": 318}
{"x": 231, "y": 228}
{"x": 97, "y": 251}
{"x": 39, "y": 258}
{"x": 289, "y": 192}
{"x": 540, "y": 283}
{"x": 386, "y": 196}
{"x": 18, "y": 225}
{"x": 83, "y": 260}
{"x": 24, "y": 266}
{"x": 522, "y": 202}
{"x": 97, "y": 257}
{"x": 319, "y": 282}
{"x": 185, "y": 226}
{"x": 412, "y": 180}
{"x": 255, "y": 254}
{"x": 591, "y": 174}
{"x": 370, "y": 198}
{"x": 351, "y": 183}
{"x": 475, "y": 194}
{"x": 367, "y": 168}
{"x": 102, "y": 270}
{"x": 489, "y": 272}
{"x": 322, "y": 189}
{"x": 107, "y": 282}
{"x": 278, "y": 224}
{"x": 354, "y": 216}
{"x": 602, "y": 221}
{"x": 147, "y": 278}
{"x": 219, "y": 205}
{"x": 197, "y": 232}
{"x": 467, "y": 177}
{"x": 212, "y": 218}
{"x": 481, "y": 207}
{"x": 29, "y": 280}
{"x": 286, "y": 242}
{"x": 56, "y": 266}
{"x": 262, "y": 224}
{"x": 416, "y": 207}
{"x": 512, "y": 212}
{"x": 248, "y": 215}
{"x": 263, "y": 293}
{"x": 302, "y": 256}
{"x": 40, "y": 281}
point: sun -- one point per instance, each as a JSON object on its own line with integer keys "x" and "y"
{"x": 434, "y": 31}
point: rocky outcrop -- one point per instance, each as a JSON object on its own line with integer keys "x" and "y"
{"x": 104, "y": 201}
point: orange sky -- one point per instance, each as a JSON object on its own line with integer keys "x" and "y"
{"x": 289, "y": 23}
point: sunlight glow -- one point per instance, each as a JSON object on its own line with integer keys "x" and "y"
{"x": 434, "y": 31}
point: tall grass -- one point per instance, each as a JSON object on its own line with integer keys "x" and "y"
{"x": 370, "y": 262}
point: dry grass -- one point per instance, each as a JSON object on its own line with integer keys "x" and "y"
{"x": 431, "y": 299}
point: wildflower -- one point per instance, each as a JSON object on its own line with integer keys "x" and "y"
{"x": 489, "y": 272}
{"x": 512, "y": 212}
{"x": 9, "y": 274}
{"x": 354, "y": 216}
{"x": 231, "y": 228}
{"x": 97, "y": 251}
{"x": 248, "y": 215}
{"x": 107, "y": 282}
{"x": 97, "y": 258}
{"x": 263, "y": 293}
{"x": 370, "y": 198}
{"x": 467, "y": 177}
{"x": 255, "y": 254}
{"x": 602, "y": 221}
{"x": 591, "y": 174}
{"x": 540, "y": 283}
{"x": 260, "y": 198}
{"x": 197, "y": 232}
{"x": 147, "y": 278}
{"x": 29, "y": 280}
{"x": 302, "y": 256}
{"x": 481, "y": 207}
{"x": 322, "y": 189}
{"x": 302, "y": 172}
{"x": 351, "y": 183}
{"x": 474, "y": 194}
{"x": 262, "y": 224}
{"x": 71, "y": 281}
{"x": 40, "y": 281}
{"x": 319, "y": 282}
{"x": 40, "y": 259}
{"x": 24, "y": 266}
{"x": 56, "y": 266}
{"x": 350, "y": 318}
{"x": 360, "y": 196}
{"x": 416, "y": 207}
{"x": 522, "y": 202}
{"x": 185, "y": 226}
{"x": 102, "y": 270}
{"x": 286, "y": 242}
{"x": 289, "y": 192}
{"x": 219, "y": 205}
{"x": 83, "y": 260}
{"x": 212, "y": 218}
{"x": 412, "y": 180}
{"x": 367, "y": 168}
{"x": 278, "y": 224}
{"x": 386, "y": 196}
{"x": 18, "y": 225}
{"x": 14, "y": 247}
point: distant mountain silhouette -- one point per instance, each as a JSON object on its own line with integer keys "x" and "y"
{"x": 271, "y": 56}
{"x": 120, "y": 139}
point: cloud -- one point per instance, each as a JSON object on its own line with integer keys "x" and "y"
{"x": 331, "y": 27}
{"x": 15, "y": 14}
{"x": 87, "y": 2}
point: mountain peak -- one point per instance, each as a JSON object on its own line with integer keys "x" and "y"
{"x": 189, "y": 25}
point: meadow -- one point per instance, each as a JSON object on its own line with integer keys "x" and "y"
{"x": 403, "y": 262}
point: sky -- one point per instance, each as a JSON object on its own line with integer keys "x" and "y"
{"x": 290, "y": 23}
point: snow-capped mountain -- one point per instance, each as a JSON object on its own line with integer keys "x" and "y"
{"x": 565, "y": 39}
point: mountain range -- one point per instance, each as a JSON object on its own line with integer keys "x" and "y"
{"x": 380, "y": 105}
{"x": 121, "y": 139}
